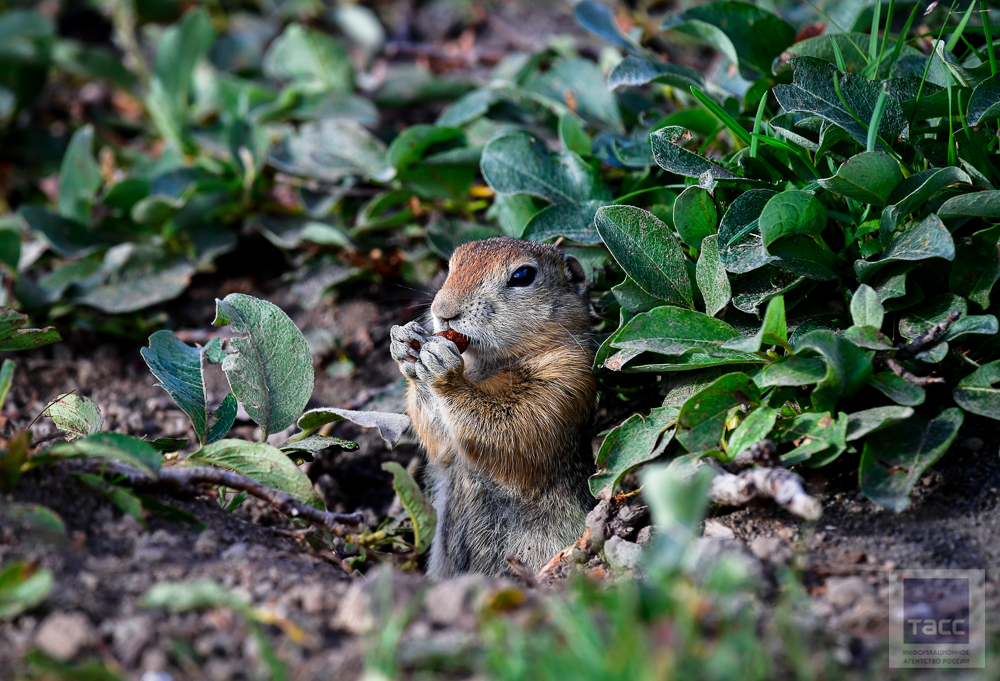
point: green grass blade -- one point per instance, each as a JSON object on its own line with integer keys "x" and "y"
{"x": 902, "y": 38}
{"x": 840, "y": 28}
{"x": 721, "y": 114}
{"x": 952, "y": 159}
{"x": 885, "y": 35}
{"x": 756, "y": 126}
{"x": 953, "y": 40}
{"x": 876, "y": 119}
{"x": 873, "y": 39}
{"x": 838, "y": 55}
{"x": 927, "y": 66}
{"x": 984, "y": 11}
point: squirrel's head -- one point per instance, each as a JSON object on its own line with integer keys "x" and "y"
{"x": 508, "y": 296}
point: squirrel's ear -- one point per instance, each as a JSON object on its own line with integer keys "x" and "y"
{"x": 575, "y": 270}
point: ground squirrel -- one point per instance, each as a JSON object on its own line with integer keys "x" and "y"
{"x": 506, "y": 425}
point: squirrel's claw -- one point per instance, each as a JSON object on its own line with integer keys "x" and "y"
{"x": 438, "y": 358}
{"x": 403, "y": 346}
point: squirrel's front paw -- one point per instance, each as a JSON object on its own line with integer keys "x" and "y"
{"x": 438, "y": 358}
{"x": 404, "y": 342}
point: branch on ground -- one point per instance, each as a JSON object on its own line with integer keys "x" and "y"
{"x": 189, "y": 480}
{"x": 925, "y": 341}
{"x": 779, "y": 484}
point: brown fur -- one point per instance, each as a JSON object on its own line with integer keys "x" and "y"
{"x": 505, "y": 425}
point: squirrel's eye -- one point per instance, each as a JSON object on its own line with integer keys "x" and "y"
{"x": 523, "y": 276}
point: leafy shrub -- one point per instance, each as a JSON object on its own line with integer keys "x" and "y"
{"x": 824, "y": 278}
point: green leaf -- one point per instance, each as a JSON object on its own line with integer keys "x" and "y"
{"x": 271, "y": 371}
{"x": 574, "y": 221}
{"x": 898, "y": 390}
{"x": 75, "y": 416}
{"x": 977, "y": 266}
{"x": 695, "y": 216}
{"x": 869, "y": 177}
{"x": 317, "y": 443}
{"x": 748, "y": 35}
{"x": 290, "y": 231}
{"x": 866, "y": 310}
{"x": 980, "y": 324}
{"x": 225, "y": 416}
{"x": 40, "y": 520}
{"x": 928, "y": 238}
{"x": 420, "y": 510}
{"x": 976, "y": 392}
{"x": 197, "y": 595}
{"x": 579, "y": 84}
{"x": 520, "y": 164}
{"x": 868, "y": 337}
{"x": 671, "y": 156}
{"x": 635, "y": 71}
{"x": 985, "y": 101}
{"x": 133, "y": 277}
{"x": 812, "y": 91}
{"x": 860, "y": 423}
{"x": 753, "y": 289}
{"x": 311, "y": 59}
{"x": 178, "y": 52}
{"x": 648, "y": 252}
{"x": 638, "y": 440}
{"x": 123, "y": 499}
{"x": 713, "y": 282}
{"x": 600, "y": 20}
{"x": 66, "y": 237}
{"x": 678, "y": 501}
{"x": 848, "y": 369}
{"x": 678, "y": 331}
{"x": 573, "y": 135}
{"x": 23, "y": 586}
{"x": 631, "y": 297}
{"x": 820, "y": 437}
{"x": 773, "y": 330}
{"x": 789, "y": 213}
{"x": 179, "y": 367}
{"x": 261, "y": 462}
{"x": 930, "y": 312}
{"x": 411, "y": 145}
{"x": 6, "y": 380}
{"x": 985, "y": 204}
{"x": 793, "y": 370}
{"x": 79, "y": 177}
{"x": 741, "y": 246}
{"x": 702, "y": 419}
{"x": 13, "y": 337}
{"x": 390, "y": 426}
{"x": 895, "y": 457}
{"x": 751, "y": 430}
{"x": 849, "y": 44}
{"x": 115, "y": 447}
{"x": 330, "y": 150}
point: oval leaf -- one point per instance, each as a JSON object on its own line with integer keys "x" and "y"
{"x": 271, "y": 372}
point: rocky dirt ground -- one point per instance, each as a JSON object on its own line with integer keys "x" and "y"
{"x": 110, "y": 560}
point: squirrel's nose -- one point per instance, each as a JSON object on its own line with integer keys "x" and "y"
{"x": 445, "y": 310}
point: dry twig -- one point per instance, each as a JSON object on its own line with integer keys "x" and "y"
{"x": 187, "y": 480}
{"x": 779, "y": 484}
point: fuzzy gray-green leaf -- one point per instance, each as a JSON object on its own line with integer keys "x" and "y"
{"x": 648, "y": 252}
{"x": 271, "y": 372}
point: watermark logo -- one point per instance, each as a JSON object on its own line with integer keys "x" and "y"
{"x": 936, "y": 610}
{"x": 939, "y": 619}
